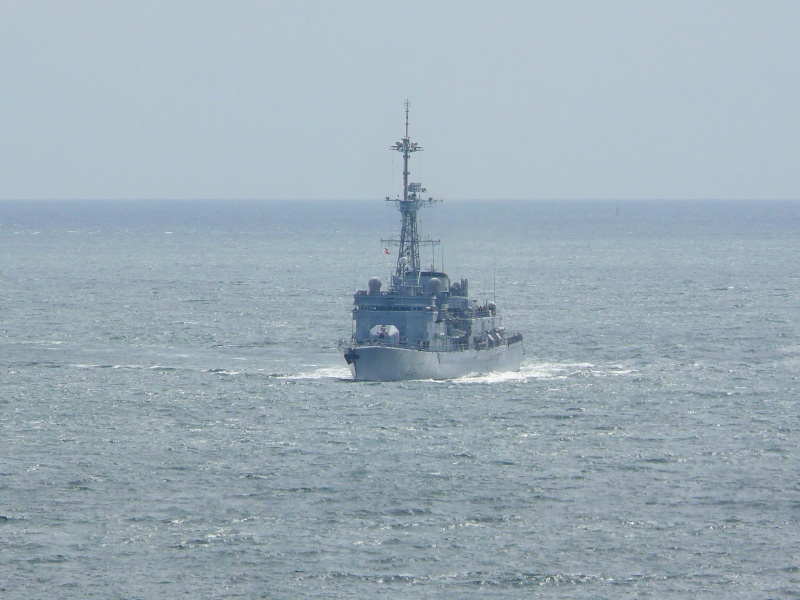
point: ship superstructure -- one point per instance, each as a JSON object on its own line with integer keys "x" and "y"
{"x": 423, "y": 326}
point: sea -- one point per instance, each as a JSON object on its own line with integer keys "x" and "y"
{"x": 176, "y": 419}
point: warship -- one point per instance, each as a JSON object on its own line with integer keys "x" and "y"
{"x": 423, "y": 326}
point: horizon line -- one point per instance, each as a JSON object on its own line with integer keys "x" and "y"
{"x": 384, "y": 199}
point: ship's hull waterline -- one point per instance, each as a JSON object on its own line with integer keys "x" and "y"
{"x": 386, "y": 363}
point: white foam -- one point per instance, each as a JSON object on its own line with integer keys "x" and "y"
{"x": 546, "y": 371}
{"x": 320, "y": 373}
{"x": 528, "y": 371}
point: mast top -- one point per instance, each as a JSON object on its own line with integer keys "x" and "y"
{"x": 408, "y": 256}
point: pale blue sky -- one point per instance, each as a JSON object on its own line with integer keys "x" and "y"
{"x": 301, "y": 99}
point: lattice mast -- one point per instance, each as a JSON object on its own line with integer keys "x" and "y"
{"x": 408, "y": 253}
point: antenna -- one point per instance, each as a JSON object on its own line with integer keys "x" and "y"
{"x": 494, "y": 277}
{"x": 412, "y": 200}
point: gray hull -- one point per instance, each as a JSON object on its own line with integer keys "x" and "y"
{"x": 384, "y": 363}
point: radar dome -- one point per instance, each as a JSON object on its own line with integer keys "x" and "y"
{"x": 491, "y": 306}
{"x": 374, "y": 285}
{"x": 435, "y": 286}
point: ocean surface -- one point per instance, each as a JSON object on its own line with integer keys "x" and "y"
{"x": 176, "y": 421}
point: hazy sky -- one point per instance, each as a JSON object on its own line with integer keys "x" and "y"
{"x": 301, "y": 99}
